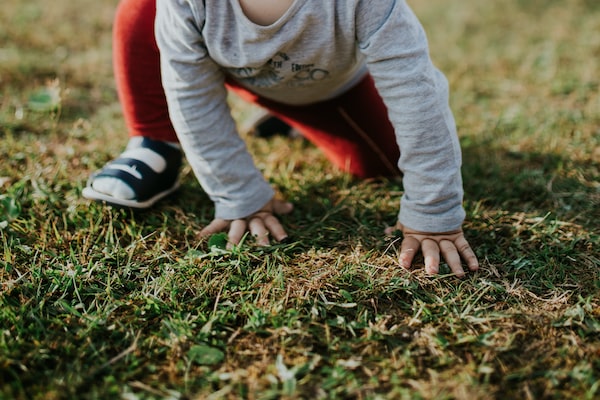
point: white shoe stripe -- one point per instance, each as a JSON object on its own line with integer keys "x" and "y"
{"x": 148, "y": 157}
{"x": 126, "y": 168}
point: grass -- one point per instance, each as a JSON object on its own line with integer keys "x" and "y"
{"x": 97, "y": 302}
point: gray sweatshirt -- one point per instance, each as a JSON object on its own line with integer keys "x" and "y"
{"x": 315, "y": 51}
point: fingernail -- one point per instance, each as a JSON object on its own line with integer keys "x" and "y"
{"x": 404, "y": 263}
{"x": 286, "y": 240}
{"x": 432, "y": 270}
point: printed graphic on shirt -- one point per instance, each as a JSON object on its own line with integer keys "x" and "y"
{"x": 278, "y": 69}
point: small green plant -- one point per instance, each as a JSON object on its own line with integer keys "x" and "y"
{"x": 9, "y": 210}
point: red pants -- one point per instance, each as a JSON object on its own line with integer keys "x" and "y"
{"x": 353, "y": 130}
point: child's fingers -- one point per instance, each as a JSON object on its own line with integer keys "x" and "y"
{"x": 467, "y": 253}
{"x": 237, "y": 229}
{"x": 431, "y": 255}
{"x": 256, "y": 226}
{"x": 391, "y": 230}
{"x": 259, "y": 224}
{"x": 275, "y": 227}
{"x": 408, "y": 249}
{"x": 216, "y": 225}
{"x": 450, "y": 254}
{"x": 281, "y": 207}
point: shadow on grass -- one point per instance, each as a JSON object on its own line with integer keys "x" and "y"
{"x": 532, "y": 183}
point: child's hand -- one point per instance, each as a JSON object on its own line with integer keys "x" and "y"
{"x": 260, "y": 224}
{"x": 451, "y": 245}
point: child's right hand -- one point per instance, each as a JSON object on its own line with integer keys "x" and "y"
{"x": 261, "y": 224}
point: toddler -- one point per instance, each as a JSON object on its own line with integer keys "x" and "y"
{"x": 352, "y": 76}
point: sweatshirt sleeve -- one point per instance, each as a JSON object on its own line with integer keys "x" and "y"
{"x": 197, "y": 100}
{"x": 416, "y": 95}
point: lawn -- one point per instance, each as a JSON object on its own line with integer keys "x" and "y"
{"x": 98, "y": 302}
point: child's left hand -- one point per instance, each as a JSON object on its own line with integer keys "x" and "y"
{"x": 451, "y": 245}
